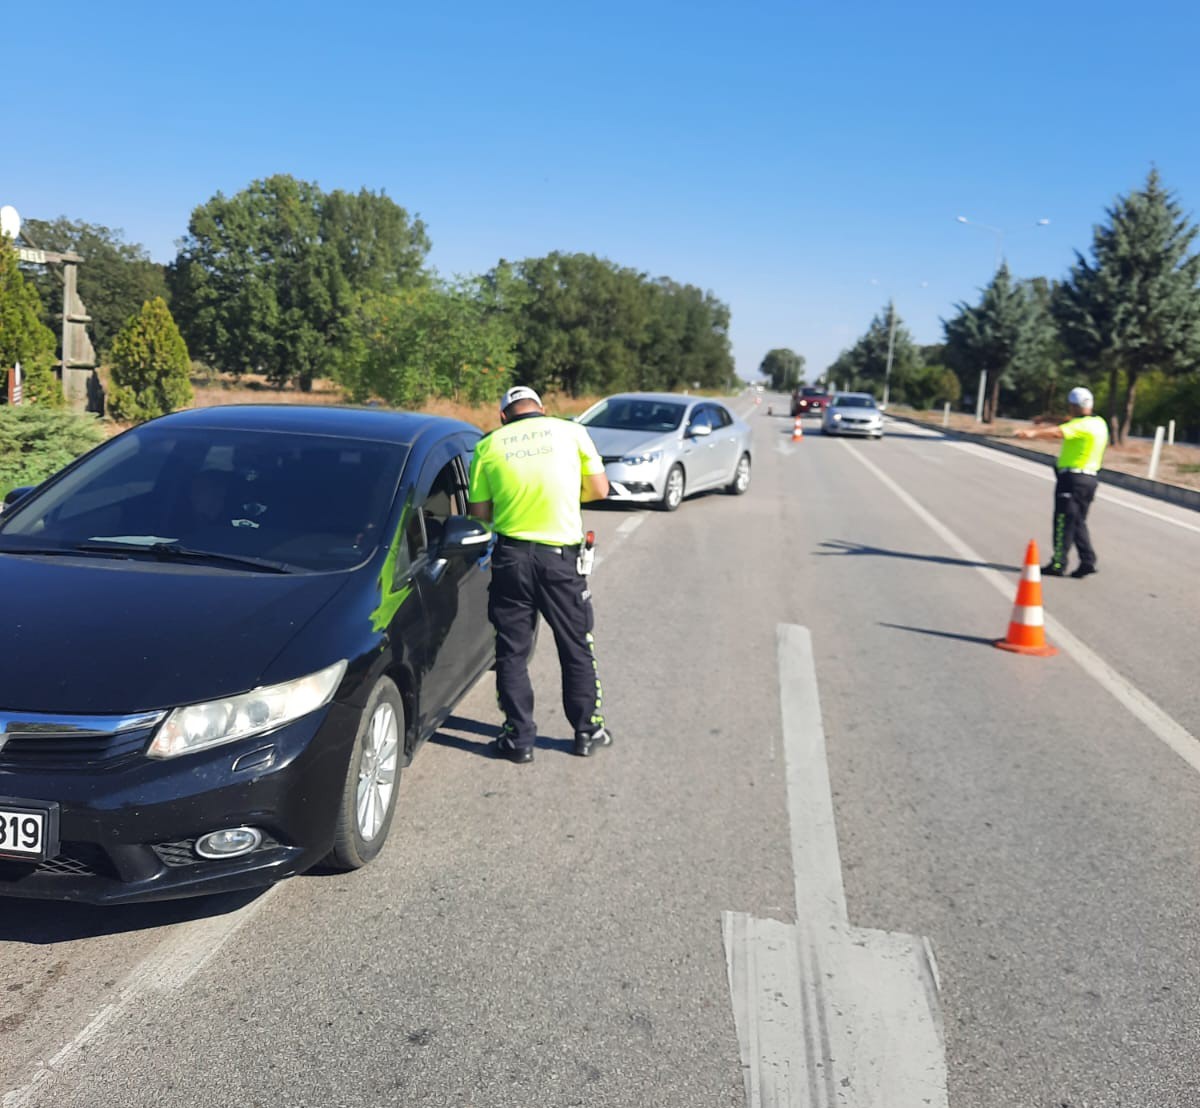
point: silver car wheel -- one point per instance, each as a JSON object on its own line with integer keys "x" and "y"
{"x": 674, "y": 491}
{"x": 741, "y": 480}
{"x": 377, "y": 771}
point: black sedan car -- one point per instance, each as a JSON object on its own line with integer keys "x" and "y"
{"x": 223, "y": 635}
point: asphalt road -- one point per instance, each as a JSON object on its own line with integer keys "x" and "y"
{"x": 559, "y": 934}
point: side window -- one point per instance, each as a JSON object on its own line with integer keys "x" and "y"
{"x": 445, "y": 499}
{"x": 723, "y": 418}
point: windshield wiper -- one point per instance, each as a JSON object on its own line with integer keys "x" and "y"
{"x": 170, "y": 551}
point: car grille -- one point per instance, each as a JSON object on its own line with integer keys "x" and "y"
{"x": 29, "y": 741}
{"x": 72, "y": 860}
{"x": 610, "y": 459}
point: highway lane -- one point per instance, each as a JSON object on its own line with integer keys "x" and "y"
{"x": 552, "y": 934}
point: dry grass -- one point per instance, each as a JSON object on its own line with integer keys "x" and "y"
{"x": 1178, "y": 465}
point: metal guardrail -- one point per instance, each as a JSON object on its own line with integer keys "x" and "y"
{"x": 1160, "y": 490}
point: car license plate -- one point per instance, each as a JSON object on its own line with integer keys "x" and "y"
{"x": 28, "y": 831}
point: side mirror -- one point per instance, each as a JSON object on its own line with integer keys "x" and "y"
{"x": 13, "y": 495}
{"x": 699, "y": 431}
{"x": 463, "y": 535}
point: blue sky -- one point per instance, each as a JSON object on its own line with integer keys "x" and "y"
{"x": 803, "y": 162}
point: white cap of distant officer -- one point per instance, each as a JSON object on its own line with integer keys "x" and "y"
{"x": 518, "y": 393}
{"x": 1081, "y": 398}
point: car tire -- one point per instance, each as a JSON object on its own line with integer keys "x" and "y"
{"x": 372, "y": 780}
{"x": 673, "y": 490}
{"x": 741, "y": 477}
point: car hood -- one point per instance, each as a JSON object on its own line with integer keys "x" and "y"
{"x": 104, "y": 636}
{"x": 614, "y": 442}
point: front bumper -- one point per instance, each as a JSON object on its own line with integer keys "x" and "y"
{"x": 867, "y": 430}
{"x": 642, "y": 484}
{"x": 126, "y": 831}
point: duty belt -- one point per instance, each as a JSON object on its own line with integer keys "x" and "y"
{"x": 1089, "y": 472}
{"x": 533, "y": 544}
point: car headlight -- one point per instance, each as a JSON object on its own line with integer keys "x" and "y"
{"x": 199, "y": 726}
{"x": 835, "y": 416}
{"x": 642, "y": 459}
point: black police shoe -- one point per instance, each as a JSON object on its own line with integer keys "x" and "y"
{"x": 1083, "y": 571}
{"x": 585, "y": 743}
{"x": 504, "y": 747}
{"x": 1051, "y": 570}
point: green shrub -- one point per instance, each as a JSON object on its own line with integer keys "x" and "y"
{"x": 150, "y": 366}
{"x": 36, "y": 442}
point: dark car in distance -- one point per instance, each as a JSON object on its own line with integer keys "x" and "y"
{"x": 225, "y": 633}
{"x": 809, "y": 400}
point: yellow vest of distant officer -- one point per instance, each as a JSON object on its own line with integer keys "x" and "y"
{"x": 531, "y": 469}
{"x": 1084, "y": 440}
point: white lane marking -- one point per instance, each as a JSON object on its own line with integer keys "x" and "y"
{"x": 631, "y": 524}
{"x": 1163, "y": 726}
{"x": 828, "y": 1014}
{"x": 170, "y": 966}
{"x": 816, "y": 861}
{"x": 1107, "y": 494}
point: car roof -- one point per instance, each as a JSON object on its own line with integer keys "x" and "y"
{"x": 677, "y": 397}
{"x": 377, "y": 424}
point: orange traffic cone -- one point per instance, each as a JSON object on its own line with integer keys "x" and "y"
{"x": 797, "y": 430}
{"x": 1027, "y": 627}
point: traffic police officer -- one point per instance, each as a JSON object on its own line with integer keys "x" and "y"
{"x": 1084, "y": 438}
{"x": 528, "y": 478}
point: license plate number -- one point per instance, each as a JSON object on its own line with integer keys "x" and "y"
{"x": 25, "y": 833}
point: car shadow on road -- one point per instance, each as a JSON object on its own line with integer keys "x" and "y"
{"x": 484, "y": 747}
{"x": 843, "y": 547}
{"x": 942, "y": 634}
{"x": 46, "y": 922}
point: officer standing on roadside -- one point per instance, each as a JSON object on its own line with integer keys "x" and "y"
{"x": 528, "y": 478}
{"x": 1084, "y": 438}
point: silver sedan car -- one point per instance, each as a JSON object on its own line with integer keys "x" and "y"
{"x": 852, "y": 413}
{"x": 659, "y": 447}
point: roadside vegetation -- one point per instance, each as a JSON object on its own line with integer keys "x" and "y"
{"x": 1124, "y": 320}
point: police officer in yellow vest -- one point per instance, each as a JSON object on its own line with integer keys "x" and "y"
{"x": 528, "y": 478}
{"x": 1084, "y": 438}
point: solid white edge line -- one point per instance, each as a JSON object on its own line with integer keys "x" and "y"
{"x": 170, "y": 966}
{"x": 1163, "y": 726}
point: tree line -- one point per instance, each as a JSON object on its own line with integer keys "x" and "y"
{"x": 1125, "y": 320}
{"x": 289, "y": 281}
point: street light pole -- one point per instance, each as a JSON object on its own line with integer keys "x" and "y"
{"x": 998, "y": 232}
{"x": 887, "y": 373}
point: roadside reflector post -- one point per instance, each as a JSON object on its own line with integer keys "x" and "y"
{"x": 946, "y": 414}
{"x": 1156, "y": 453}
{"x": 1171, "y": 432}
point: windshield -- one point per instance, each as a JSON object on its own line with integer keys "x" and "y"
{"x": 635, "y": 413}
{"x": 306, "y": 501}
{"x": 854, "y": 401}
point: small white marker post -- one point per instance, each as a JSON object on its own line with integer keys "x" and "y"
{"x": 979, "y": 398}
{"x": 946, "y": 414}
{"x": 1156, "y": 453}
{"x": 1171, "y": 432}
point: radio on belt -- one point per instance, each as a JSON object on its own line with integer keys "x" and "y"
{"x": 587, "y": 554}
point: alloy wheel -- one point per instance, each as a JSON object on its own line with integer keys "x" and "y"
{"x": 377, "y": 771}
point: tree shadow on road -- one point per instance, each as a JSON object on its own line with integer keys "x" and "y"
{"x": 844, "y": 547}
{"x": 46, "y": 922}
{"x": 484, "y": 748}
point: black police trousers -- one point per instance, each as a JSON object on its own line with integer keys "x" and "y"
{"x": 527, "y": 579}
{"x": 1073, "y": 495}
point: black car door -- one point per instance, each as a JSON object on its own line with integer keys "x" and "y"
{"x": 453, "y": 592}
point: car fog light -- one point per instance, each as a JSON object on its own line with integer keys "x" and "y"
{"x": 228, "y": 843}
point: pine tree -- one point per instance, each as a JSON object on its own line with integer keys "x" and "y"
{"x": 150, "y": 366}
{"x": 23, "y": 336}
{"x": 1135, "y": 306}
{"x": 1004, "y": 334}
